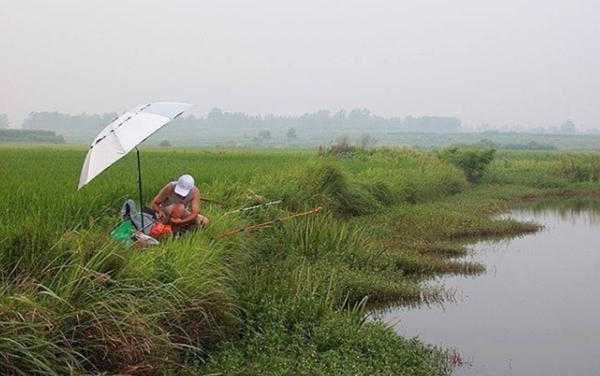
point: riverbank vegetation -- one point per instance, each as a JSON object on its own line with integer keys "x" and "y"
{"x": 288, "y": 299}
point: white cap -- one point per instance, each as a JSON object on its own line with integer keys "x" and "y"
{"x": 184, "y": 185}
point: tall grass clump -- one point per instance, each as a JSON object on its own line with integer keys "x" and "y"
{"x": 192, "y": 280}
{"x": 96, "y": 322}
{"x": 328, "y": 185}
{"x": 113, "y": 311}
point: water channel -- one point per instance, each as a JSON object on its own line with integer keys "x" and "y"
{"x": 536, "y": 311}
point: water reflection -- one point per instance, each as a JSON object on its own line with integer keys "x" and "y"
{"x": 536, "y": 309}
{"x": 571, "y": 210}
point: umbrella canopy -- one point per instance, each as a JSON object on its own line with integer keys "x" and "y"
{"x": 124, "y": 134}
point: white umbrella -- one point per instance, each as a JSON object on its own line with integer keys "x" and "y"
{"x": 124, "y": 134}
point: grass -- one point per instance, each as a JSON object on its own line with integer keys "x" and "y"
{"x": 288, "y": 299}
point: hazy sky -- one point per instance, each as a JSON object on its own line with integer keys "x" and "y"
{"x": 532, "y": 62}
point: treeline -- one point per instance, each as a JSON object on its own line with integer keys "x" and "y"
{"x": 315, "y": 123}
{"x": 361, "y": 119}
{"x": 30, "y": 136}
{"x": 75, "y": 128}
{"x": 218, "y": 123}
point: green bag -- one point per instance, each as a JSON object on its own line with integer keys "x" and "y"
{"x": 123, "y": 233}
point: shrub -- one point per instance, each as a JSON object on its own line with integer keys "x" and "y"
{"x": 473, "y": 162}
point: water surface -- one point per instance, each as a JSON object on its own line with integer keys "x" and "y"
{"x": 536, "y": 311}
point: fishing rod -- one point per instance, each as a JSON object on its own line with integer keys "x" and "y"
{"x": 261, "y": 226}
{"x": 219, "y": 203}
{"x": 271, "y": 203}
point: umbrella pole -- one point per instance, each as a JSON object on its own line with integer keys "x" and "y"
{"x": 137, "y": 151}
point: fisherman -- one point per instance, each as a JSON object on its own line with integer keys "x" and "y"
{"x": 178, "y": 204}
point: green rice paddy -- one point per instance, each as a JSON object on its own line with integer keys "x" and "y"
{"x": 288, "y": 299}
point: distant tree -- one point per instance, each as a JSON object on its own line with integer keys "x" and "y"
{"x": 3, "y": 121}
{"x": 264, "y": 135}
{"x": 340, "y": 116}
{"x": 291, "y": 134}
{"x": 366, "y": 141}
{"x": 359, "y": 116}
{"x": 215, "y": 114}
{"x": 568, "y": 127}
{"x": 165, "y": 144}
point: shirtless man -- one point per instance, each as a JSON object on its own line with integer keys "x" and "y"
{"x": 178, "y": 204}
